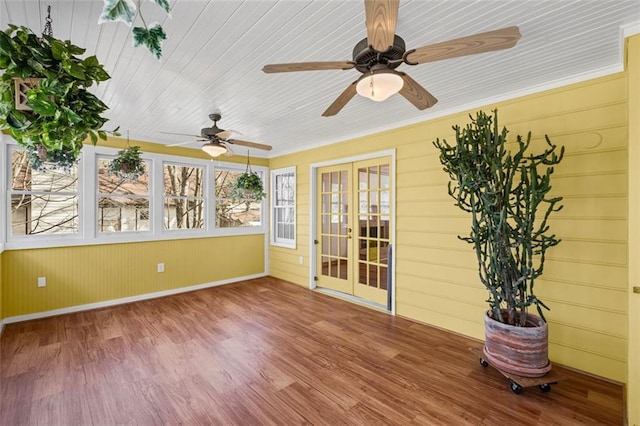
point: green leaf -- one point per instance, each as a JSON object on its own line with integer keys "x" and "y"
{"x": 59, "y": 50}
{"x": 14, "y": 122}
{"x": 102, "y": 135}
{"x": 5, "y": 60}
{"x": 94, "y": 138}
{"x": 91, "y": 61}
{"x": 151, "y": 38}
{"x": 6, "y": 45}
{"x": 71, "y": 115}
{"x": 118, "y": 11}
{"x": 164, "y": 4}
{"x": 44, "y": 107}
{"x": 37, "y": 66}
{"x": 77, "y": 71}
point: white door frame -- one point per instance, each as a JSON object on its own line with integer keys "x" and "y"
{"x": 313, "y": 201}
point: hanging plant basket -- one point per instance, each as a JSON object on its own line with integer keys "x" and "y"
{"x": 44, "y": 100}
{"x": 128, "y": 165}
{"x": 43, "y": 159}
{"x": 249, "y": 185}
{"x": 21, "y": 86}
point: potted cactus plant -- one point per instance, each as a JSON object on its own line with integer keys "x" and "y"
{"x": 507, "y": 195}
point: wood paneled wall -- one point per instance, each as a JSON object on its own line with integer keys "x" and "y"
{"x": 585, "y": 281}
{"x": 89, "y": 274}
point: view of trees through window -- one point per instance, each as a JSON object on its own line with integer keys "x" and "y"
{"x": 232, "y": 208}
{"x": 183, "y": 199}
{"x": 46, "y": 202}
{"x": 42, "y": 202}
{"x": 123, "y": 206}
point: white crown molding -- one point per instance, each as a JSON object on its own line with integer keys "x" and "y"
{"x": 115, "y": 302}
{"x": 630, "y": 30}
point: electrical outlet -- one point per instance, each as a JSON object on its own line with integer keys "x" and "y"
{"x": 301, "y": 260}
{"x": 160, "y": 267}
{"x": 42, "y": 281}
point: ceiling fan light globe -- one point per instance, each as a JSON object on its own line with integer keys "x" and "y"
{"x": 213, "y": 149}
{"x": 379, "y": 85}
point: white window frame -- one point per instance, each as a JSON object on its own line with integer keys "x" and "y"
{"x": 206, "y": 200}
{"x": 275, "y": 239}
{"x": 264, "y": 214}
{"x": 88, "y": 203}
{"x": 149, "y": 164}
{"x": 53, "y": 237}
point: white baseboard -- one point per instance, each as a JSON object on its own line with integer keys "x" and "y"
{"x": 1, "y": 327}
{"x": 114, "y": 302}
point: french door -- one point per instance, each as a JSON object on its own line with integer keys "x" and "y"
{"x": 354, "y": 220}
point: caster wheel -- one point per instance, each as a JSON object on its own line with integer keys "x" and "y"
{"x": 516, "y": 388}
{"x": 484, "y": 363}
{"x": 545, "y": 387}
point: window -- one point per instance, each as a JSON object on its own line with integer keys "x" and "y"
{"x": 183, "y": 196}
{"x": 177, "y": 197}
{"x": 43, "y": 202}
{"x": 283, "y": 207}
{"x": 123, "y": 206}
{"x": 233, "y": 210}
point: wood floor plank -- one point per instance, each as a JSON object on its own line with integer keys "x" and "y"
{"x": 266, "y": 352}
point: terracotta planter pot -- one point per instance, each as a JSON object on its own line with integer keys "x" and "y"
{"x": 518, "y": 350}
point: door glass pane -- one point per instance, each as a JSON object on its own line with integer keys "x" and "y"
{"x": 384, "y": 252}
{"x": 373, "y": 177}
{"x": 343, "y": 181}
{"x": 343, "y": 270}
{"x": 383, "y": 277}
{"x": 373, "y": 275}
{"x": 384, "y": 176}
{"x": 326, "y": 224}
{"x": 362, "y": 273}
{"x": 325, "y": 265}
{"x": 326, "y": 203}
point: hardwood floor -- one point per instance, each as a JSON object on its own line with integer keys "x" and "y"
{"x": 267, "y": 352}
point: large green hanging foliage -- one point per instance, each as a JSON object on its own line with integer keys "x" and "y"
{"x": 506, "y": 195}
{"x": 63, "y": 113}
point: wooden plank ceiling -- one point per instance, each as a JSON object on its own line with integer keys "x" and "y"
{"x": 215, "y": 51}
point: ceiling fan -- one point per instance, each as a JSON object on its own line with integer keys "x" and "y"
{"x": 217, "y": 140}
{"x": 378, "y": 56}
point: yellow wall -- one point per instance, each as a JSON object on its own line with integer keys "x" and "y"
{"x": 633, "y": 384}
{"x": 585, "y": 281}
{"x": 97, "y": 273}
{"x": 88, "y": 274}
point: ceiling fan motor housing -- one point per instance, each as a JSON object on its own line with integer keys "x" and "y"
{"x": 211, "y": 132}
{"x": 366, "y": 57}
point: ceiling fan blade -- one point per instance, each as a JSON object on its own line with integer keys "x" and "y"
{"x": 382, "y": 17}
{"x": 250, "y": 144}
{"x": 180, "y": 134}
{"x": 186, "y": 143}
{"x": 225, "y": 134}
{"x": 416, "y": 94}
{"x": 229, "y": 151}
{"x": 308, "y": 66}
{"x": 342, "y": 100}
{"x": 470, "y": 45}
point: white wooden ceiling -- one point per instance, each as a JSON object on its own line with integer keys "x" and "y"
{"x": 215, "y": 51}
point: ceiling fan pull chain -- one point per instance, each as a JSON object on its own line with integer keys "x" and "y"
{"x": 48, "y": 29}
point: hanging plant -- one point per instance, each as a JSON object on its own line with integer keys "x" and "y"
{"x": 249, "y": 185}
{"x": 60, "y": 112}
{"x": 43, "y": 159}
{"x": 128, "y": 165}
{"x": 151, "y": 35}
